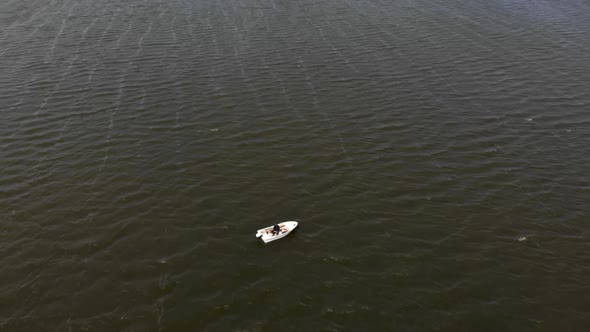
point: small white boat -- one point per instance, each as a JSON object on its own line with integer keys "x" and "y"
{"x": 267, "y": 235}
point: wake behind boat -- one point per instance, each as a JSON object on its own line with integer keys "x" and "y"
{"x": 269, "y": 234}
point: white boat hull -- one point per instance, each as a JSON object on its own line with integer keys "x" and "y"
{"x": 266, "y": 233}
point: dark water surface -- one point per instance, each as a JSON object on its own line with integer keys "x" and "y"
{"x": 436, "y": 154}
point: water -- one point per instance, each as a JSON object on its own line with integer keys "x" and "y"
{"x": 434, "y": 152}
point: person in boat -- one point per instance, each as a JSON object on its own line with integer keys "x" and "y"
{"x": 276, "y": 229}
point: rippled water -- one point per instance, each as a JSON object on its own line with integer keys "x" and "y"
{"x": 434, "y": 152}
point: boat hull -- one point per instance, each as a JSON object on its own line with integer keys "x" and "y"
{"x": 266, "y": 233}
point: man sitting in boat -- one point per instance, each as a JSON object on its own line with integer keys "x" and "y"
{"x": 276, "y": 229}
